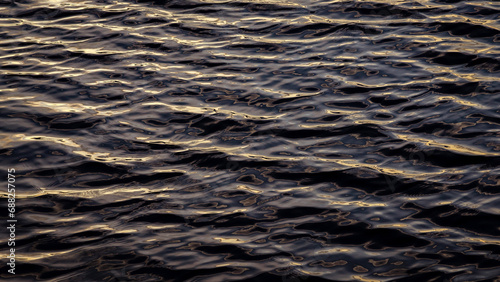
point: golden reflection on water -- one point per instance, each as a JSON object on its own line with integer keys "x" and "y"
{"x": 447, "y": 146}
{"x": 33, "y": 256}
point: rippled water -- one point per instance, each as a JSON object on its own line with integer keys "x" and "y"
{"x": 268, "y": 140}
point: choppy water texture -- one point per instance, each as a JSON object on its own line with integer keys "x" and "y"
{"x": 211, "y": 140}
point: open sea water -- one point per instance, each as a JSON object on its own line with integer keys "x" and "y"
{"x": 266, "y": 140}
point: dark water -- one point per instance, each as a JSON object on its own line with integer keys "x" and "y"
{"x": 263, "y": 140}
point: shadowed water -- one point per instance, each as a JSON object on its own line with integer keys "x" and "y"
{"x": 268, "y": 140}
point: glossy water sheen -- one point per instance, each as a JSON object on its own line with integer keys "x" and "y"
{"x": 213, "y": 140}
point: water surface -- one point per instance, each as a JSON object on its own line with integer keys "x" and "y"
{"x": 263, "y": 140}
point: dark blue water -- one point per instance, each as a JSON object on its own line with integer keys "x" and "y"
{"x": 213, "y": 140}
